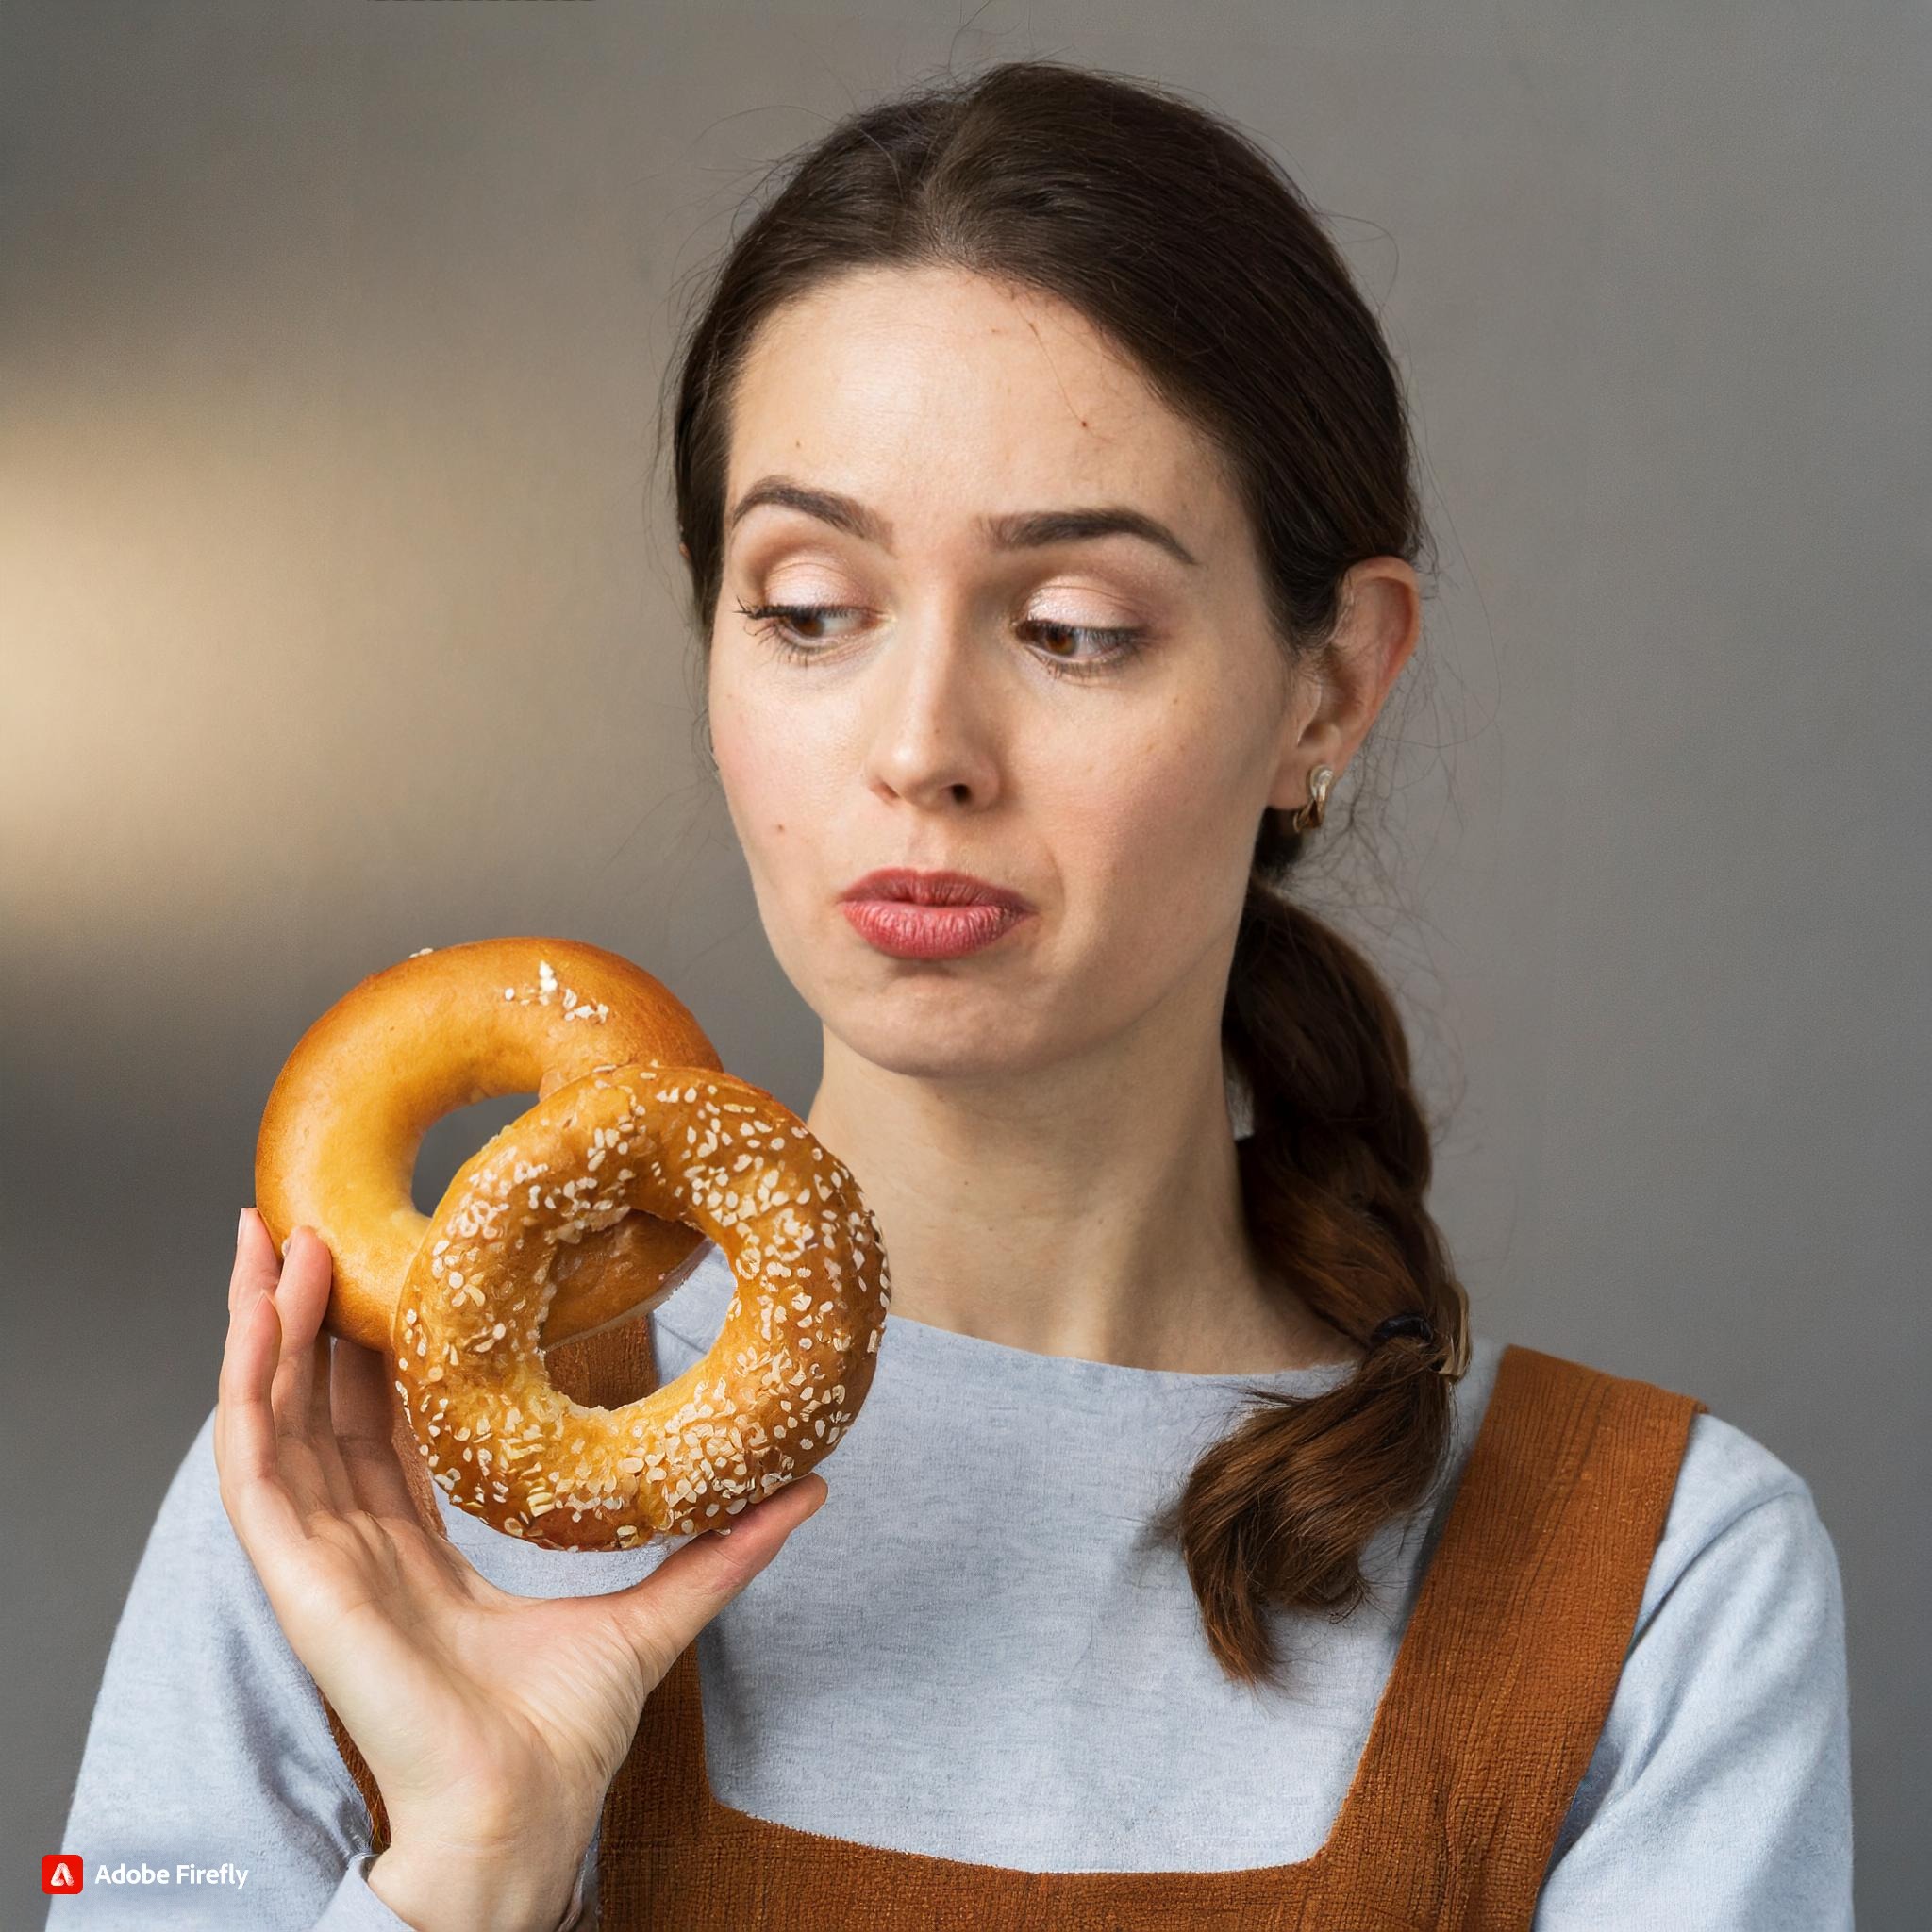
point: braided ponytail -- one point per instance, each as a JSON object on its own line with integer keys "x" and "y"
{"x": 1334, "y": 1172}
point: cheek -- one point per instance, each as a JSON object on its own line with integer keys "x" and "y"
{"x": 766, "y": 764}
{"x": 780, "y": 783}
{"x": 1163, "y": 819}
{"x": 1151, "y": 853}
{"x": 764, "y": 787}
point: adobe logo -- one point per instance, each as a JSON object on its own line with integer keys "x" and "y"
{"x": 62, "y": 1872}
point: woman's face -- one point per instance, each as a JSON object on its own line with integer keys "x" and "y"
{"x": 1092, "y": 722}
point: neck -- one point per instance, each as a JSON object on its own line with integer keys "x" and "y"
{"x": 1092, "y": 1209}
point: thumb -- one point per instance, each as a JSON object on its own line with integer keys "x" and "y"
{"x": 662, "y": 1613}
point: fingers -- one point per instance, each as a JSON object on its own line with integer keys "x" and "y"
{"x": 308, "y": 1462}
{"x": 311, "y": 1461}
{"x": 322, "y": 1556}
{"x": 662, "y": 1613}
{"x": 364, "y": 1417}
{"x": 257, "y": 1264}
{"x": 339, "y": 1392}
{"x": 246, "y": 1450}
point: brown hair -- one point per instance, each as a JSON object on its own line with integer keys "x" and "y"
{"x": 1184, "y": 242}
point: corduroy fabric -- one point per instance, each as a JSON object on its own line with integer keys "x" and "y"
{"x": 1501, "y": 1685}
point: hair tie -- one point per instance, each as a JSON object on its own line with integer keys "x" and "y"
{"x": 1404, "y": 1325}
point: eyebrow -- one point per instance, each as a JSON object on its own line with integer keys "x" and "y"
{"x": 1015, "y": 530}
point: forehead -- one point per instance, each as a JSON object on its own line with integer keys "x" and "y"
{"x": 935, "y": 394}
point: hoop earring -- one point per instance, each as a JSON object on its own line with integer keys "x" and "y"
{"x": 1309, "y": 816}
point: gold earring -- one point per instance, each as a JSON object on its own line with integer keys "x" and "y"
{"x": 1309, "y": 816}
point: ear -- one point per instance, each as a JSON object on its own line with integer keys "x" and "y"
{"x": 1337, "y": 694}
{"x": 684, "y": 550}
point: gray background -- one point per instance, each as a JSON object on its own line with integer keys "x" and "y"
{"x": 339, "y": 619}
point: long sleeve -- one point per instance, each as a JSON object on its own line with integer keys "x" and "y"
{"x": 352, "y": 1908}
{"x": 208, "y": 1750}
{"x": 1719, "y": 1795}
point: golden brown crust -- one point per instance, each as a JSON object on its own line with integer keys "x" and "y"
{"x": 784, "y": 1378}
{"x": 441, "y": 1029}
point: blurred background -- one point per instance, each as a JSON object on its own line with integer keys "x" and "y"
{"x": 341, "y": 617}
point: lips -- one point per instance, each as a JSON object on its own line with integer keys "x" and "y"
{"x": 930, "y": 915}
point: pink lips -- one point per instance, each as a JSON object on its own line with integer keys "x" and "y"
{"x": 930, "y": 915}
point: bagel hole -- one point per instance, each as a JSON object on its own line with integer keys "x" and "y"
{"x": 457, "y": 1136}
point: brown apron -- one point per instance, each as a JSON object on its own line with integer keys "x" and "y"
{"x": 1485, "y": 1727}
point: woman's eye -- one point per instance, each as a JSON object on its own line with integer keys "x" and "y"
{"x": 1109, "y": 644}
{"x": 791, "y": 627}
{"x": 797, "y": 631}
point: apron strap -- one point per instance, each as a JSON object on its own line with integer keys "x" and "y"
{"x": 1513, "y": 1655}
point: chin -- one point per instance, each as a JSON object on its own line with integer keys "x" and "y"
{"x": 965, "y": 1045}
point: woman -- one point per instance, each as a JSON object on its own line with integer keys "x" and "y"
{"x": 1045, "y": 489}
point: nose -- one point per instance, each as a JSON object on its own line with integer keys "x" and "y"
{"x": 932, "y": 724}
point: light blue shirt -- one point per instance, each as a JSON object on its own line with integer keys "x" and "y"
{"x": 976, "y": 1650}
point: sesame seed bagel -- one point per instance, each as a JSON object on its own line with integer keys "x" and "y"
{"x": 439, "y": 1031}
{"x": 778, "y": 1387}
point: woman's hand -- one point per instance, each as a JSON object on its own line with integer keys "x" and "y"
{"x": 493, "y": 1723}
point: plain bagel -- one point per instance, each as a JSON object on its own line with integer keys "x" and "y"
{"x": 438, "y": 1031}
